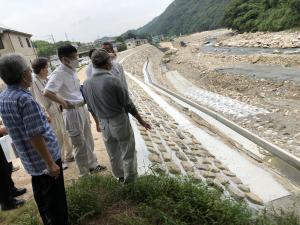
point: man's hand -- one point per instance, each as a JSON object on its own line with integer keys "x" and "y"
{"x": 145, "y": 124}
{"x": 53, "y": 170}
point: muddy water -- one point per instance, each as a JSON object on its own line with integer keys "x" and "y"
{"x": 210, "y": 47}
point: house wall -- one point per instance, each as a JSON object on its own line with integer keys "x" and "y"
{"x": 12, "y": 44}
{"x": 8, "y": 48}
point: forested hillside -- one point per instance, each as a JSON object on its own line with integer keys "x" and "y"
{"x": 262, "y": 15}
{"x": 187, "y": 16}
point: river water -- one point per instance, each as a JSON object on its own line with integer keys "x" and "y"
{"x": 255, "y": 70}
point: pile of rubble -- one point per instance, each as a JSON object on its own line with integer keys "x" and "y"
{"x": 283, "y": 39}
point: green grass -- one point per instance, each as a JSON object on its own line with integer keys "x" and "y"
{"x": 153, "y": 199}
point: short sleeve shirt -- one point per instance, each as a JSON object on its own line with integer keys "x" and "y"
{"x": 24, "y": 119}
{"x": 64, "y": 82}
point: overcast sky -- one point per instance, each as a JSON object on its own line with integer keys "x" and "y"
{"x": 81, "y": 20}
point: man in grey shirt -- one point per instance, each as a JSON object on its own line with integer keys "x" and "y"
{"x": 108, "y": 101}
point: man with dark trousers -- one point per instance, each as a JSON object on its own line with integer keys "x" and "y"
{"x": 8, "y": 191}
{"x": 33, "y": 138}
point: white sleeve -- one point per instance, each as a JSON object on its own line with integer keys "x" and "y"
{"x": 55, "y": 82}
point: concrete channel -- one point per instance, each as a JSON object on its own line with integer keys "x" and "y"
{"x": 257, "y": 176}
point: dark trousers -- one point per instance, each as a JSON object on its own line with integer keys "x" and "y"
{"x": 6, "y": 183}
{"x": 50, "y": 197}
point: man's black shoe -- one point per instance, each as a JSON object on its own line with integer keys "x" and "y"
{"x": 98, "y": 169}
{"x": 17, "y": 192}
{"x": 12, "y": 204}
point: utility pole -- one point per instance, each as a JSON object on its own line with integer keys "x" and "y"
{"x": 52, "y": 37}
{"x": 67, "y": 39}
{"x": 49, "y": 58}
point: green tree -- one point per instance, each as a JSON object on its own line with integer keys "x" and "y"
{"x": 44, "y": 48}
{"x": 262, "y": 15}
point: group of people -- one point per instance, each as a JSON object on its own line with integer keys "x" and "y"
{"x": 47, "y": 118}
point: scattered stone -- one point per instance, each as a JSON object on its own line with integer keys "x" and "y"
{"x": 236, "y": 180}
{"x": 193, "y": 158}
{"x": 188, "y": 151}
{"x": 199, "y": 153}
{"x": 175, "y": 149}
{"x": 157, "y": 142}
{"x": 180, "y": 135}
{"x": 171, "y": 143}
{"x": 223, "y": 180}
{"x": 203, "y": 167}
{"x": 188, "y": 167}
{"x": 149, "y": 143}
{"x": 206, "y": 161}
{"x": 254, "y": 199}
{"x": 195, "y": 176}
{"x": 217, "y": 161}
{"x": 208, "y": 174}
{"x": 181, "y": 156}
{"x": 221, "y": 167}
{"x": 161, "y": 148}
{"x": 147, "y": 138}
{"x": 228, "y": 173}
{"x": 244, "y": 188}
{"x": 182, "y": 146}
{"x": 215, "y": 170}
{"x": 154, "y": 158}
{"x": 216, "y": 184}
{"x": 152, "y": 150}
{"x": 173, "y": 168}
{"x": 236, "y": 193}
{"x": 166, "y": 156}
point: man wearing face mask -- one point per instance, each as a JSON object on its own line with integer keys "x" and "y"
{"x": 63, "y": 88}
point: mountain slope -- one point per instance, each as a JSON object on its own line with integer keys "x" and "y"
{"x": 187, "y": 16}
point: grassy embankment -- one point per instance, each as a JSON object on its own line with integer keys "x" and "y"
{"x": 154, "y": 199}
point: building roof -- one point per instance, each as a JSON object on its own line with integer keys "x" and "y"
{"x": 130, "y": 40}
{"x": 6, "y": 29}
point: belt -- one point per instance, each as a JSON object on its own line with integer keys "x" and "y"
{"x": 76, "y": 106}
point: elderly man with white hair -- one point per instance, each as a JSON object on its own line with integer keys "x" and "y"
{"x": 108, "y": 101}
{"x": 33, "y": 138}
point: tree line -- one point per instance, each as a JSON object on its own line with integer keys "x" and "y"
{"x": 262, "y": 15}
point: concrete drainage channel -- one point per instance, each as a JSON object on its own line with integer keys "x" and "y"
{"x": 178, "y": 146}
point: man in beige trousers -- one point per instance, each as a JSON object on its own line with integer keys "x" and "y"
{"x": 39, "y": 81}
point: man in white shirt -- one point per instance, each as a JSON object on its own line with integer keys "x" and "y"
{"x": 39, "y": 81}
{"x": 89, "y": 68}
{"x": 63, "y": 87}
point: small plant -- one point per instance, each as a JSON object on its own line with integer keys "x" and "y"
{"x": 82, "y": 199}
